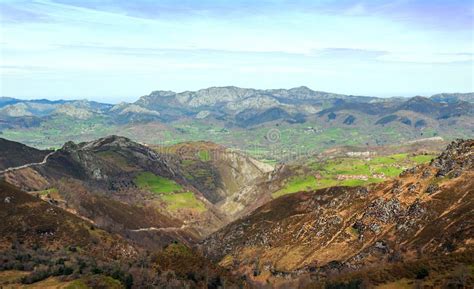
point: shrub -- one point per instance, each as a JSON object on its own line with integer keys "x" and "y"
{"x": 35, "y": 276}
{"x": 353, "y": 284}
{"x": 422, "y": 273}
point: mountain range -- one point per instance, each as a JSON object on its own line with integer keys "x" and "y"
{"x": 242, "y": 118}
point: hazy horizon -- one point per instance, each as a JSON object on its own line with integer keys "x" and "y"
{"x": 115, "y": 51}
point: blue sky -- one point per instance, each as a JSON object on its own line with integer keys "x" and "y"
{"x": 119, "y": 50}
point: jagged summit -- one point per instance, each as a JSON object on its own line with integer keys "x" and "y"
{"x": 112, "y": 140}
{"x": 113, "y": 143}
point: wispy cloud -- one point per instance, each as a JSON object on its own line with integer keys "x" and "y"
{"x": 17, "y": 13}
{"x": 437, "y": 13}
{"x": 126, "y": 48}
{"x": 429, "y": 58}
{"x": 341, "y": 52}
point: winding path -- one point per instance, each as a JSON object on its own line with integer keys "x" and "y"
{"x": 166, "y": 229}
{"x": 27, "y": 165}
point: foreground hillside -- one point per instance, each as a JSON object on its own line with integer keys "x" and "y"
{"x": 154, "y": 202}
{"x": 29, "y": 221}
{"x": 39, "y": 240}
{"x": 44, "y": 246}
{"x": 198, "y": 214}
{"x": 185, "y": 191}
{"x": 426, "y": 213}
{"x": 15, "y": 154}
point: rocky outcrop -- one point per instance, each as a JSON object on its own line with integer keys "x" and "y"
{"x": 422, "y": 213}
{"x": 457, "y": 157}
{"x": 83, "y": 161}
{"x": 75, "y": 112}
{"x": 227, "y": 178}
{"x": 16, "y": 110}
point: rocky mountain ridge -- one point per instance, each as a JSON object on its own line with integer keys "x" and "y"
{"x": 241, "y": 118}
{"x": 217, "y": 99}
{"x": 187, "y": 191}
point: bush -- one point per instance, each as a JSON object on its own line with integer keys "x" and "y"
{"x": 35, "y": 276}
{"x": 422, "y": 273}
{"x": 353, "y": 284}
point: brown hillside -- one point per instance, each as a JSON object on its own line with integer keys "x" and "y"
{"x": 13, "y": 154}
{"x": 32, "y": 222}
{"x": 427, "y": 211}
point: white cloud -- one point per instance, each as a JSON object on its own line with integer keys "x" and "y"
{"x": 118, "y": 54}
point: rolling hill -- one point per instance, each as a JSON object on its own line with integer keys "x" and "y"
{"x": 307, "y": 121}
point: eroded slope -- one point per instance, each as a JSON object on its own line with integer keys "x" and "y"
{"x": 426, "y": 211}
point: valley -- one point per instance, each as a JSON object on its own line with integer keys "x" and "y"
{"x": 227, "y": 187}
{"x": 236, "y": 144}
{"x": 325, "y": 234}
{"x": 300, "y": 224}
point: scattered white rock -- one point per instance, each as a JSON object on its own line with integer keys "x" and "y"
{"x": 203, "y": 114}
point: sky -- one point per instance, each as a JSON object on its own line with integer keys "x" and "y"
{"x": 116, "y": 51}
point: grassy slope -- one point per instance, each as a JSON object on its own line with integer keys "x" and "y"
{"x": 156, "y": 184}
{"x": 58, "y": 130}
{"x": 12, "y": 279}
{"x": 172, "y": 193}
{"x": 389, "y": 166}
{"x": 184, "y": 200}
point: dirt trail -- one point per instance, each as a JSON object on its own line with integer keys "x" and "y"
{"x": 27, "y": 165}
{"x": 167, "y": 229}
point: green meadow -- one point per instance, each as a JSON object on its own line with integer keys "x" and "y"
{"x": 170, "y": 192}
{"x": 156, "y": 184}
{"x": 365, "y": 171}
{"x": 183, "y": 201}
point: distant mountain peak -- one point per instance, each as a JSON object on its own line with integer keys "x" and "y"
{"x": 302, "y": 88}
